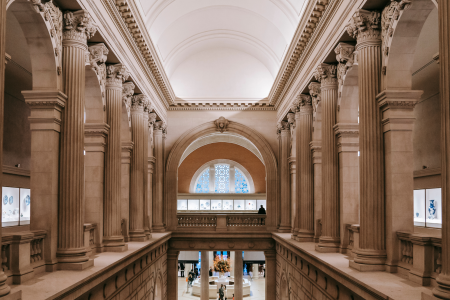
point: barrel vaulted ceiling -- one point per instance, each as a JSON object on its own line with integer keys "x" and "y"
{"x": 219, "y": 51}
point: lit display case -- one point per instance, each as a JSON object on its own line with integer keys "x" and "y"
{"x": 25, "y": 206}
{"x": 227, "y": 204}
{"x": 239, "y": 205}
{"x": 182, "y": 204}
{"x": 428, "y": 208}
{"x": 10, "y": 206}
{"x": 250, "y": 205}
{"x": 216, "y": 204}
{"x": 205, "y": 205}
{"x": 259, "y": 203}
{"x": 193, "y": 205}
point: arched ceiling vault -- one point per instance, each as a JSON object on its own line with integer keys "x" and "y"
{"x": 210, "y": 47}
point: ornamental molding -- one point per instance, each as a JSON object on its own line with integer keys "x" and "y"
{"x": 222, "y": 106}
{"x": 151, "y": 120}
{"x": 346, "y": 129}
{"x": 116, "y": 74}
{"x": 282, "y": 125}
{"x": 78, "y": 26}
{"x": 138, "y": 102}
{"x": 345, "y": 55}
{"x": 160, "y": 126}
{"x": 96, "y": 57}
{"x": 291, "y": 120}
{"x": 365, "y": 27}
{"x": 221, "y": 124}
{"x": 314, "y": 91}
{"x": 389, "y": 17}
{"x": 96, "y": 129}
{"x": 127, "y": 94}
{"x": 127, "y": 146}
{"x": 136, "y": 27}
{"x": 318, "y": 11}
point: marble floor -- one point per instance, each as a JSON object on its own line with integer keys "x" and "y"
{"x": 257, "y": 290}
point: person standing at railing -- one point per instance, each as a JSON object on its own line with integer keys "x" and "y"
{"x": 262, "y": 211}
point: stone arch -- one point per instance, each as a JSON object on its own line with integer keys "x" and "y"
{"x": 190, "y": 136}
{"x": 42, "y": 27}
{"x": 94, "y": 94}
{"x": 248, "y": 176}
{"x": 400, "y": 43}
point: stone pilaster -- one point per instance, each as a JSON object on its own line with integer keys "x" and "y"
{"x": 443, "y": 289}
{"x": 137, "y": 232}
{"x": 316, "y": 149}
{"x": 283, "y": 129}
{"x": 95, "y": 136}
{"x": 151, "y": 170}
{"x": 127, "y": 148}
{"x": 238, "y": 276}
{"x": 147, "y": 109}
{"x": 295, "y": 108}
{"x": 305, "y": 173}
{"x": 77, "y": 28}
{"x": 204, "y": 279}
{"x": 112, "y": 235}
{"x": 45, "y": 124}
{"x": 292, "y": 170}
{"x": 330, "y": 238}
{"x": 271, "y": 274}
{"x": 172, "y": 274}
{"x": 158, "y": 131}
{"x": 371, "y": 255}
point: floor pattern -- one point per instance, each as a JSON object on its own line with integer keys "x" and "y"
{"x": 257, "y": 290}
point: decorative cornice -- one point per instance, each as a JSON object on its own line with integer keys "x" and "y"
{"x": 365, "y": 27}
{"x": 303, "y": 35}
{"x": 221, "y": 106}
{"x": 116, "y": 75}
{"x": 78, "y": 26}
{"x": 143, "y": 42}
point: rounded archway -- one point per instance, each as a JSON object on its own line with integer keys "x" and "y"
{"x": 208, "y": 128}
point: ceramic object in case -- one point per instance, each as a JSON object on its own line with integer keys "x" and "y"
{"x": 432, "y": 210}
{"x": 11, "y": 200}
{"x": 5, "y": 200}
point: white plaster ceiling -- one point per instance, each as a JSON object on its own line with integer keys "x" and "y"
{"x": 221, "y": 50}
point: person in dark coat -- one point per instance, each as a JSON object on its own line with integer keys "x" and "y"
{"x": 196, "y": 272}
{"x": 182, "y": 269}
{"x": 210, "y": 271}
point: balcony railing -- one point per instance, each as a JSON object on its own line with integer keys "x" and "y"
{"x": 221, "y": 222}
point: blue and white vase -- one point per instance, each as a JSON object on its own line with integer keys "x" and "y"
{"x": 417, "y": 214}
{"x": 432, "y": 210}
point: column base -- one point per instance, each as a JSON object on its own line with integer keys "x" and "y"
{"x": 138, "y": 236}
{"x": 304, "y": 236}
{"x": 158, "y": 228}
{"x": 366, "y": 268}
{"x": 328, "y": 245}
{"x": 284, "y": 229}
{"x": 442, "y": 291}
{"x": 111, "y": 248}
{"x": 75, "y": 266}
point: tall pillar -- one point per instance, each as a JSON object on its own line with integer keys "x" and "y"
{"x": 158, "y": 129}
{"x": 316, "y": 150}
{"x": 371, "y": 255}
{"x": 255, "y": 271}
{"x": 4, "y": 288}
{"x": 204, "y": 279}
{"x": 112, "y": 235}
{"x": 172, "y": 274}
{"x": 71, "y": 253}
{"x": 125, "y": 172}
{"x": 296, "y": 109}
{"x": 147, "y": 109}
{"x": 292, "y": 171}
{"x": 330, "y": 239}
{"x": 443, "y": 280}
{"x": 271, "y": 274}
{"x": 285, "y": 139}
{"x": 232, "y": 262}
{"x": 151, "y": 169}
{"x": 305, "y": 173}
{"x": 137, "y": 170}
{"x": 45, "y": 124}
{"x": 238, "y": 276}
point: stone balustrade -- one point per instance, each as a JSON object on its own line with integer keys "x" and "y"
{"x": 221, "y": 222}
{"x": 23, "y": 255}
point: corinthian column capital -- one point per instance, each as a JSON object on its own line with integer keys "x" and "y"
{"x": 148, "y": 106}
{"x": 314, "y": 91}
{"x": 151, "y": 120}
{"x": 305, "y": 104}
{"x": 127, "y": 93}
{"x": 282, "y": 125}
{"x": 291, "y": 120}
{"x": 78, "y": 27}
{"x": 295, "y": 106}
{"x": 327, "y": 75}
{"x": 345, "y": 55}
{"x": 365, "y": 27}
{"x": 137, "y": 103}
{"x": 159, "y": 125}
{"x": 116, "y": 75}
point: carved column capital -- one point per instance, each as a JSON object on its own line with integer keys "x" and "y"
{"x": 151, "y": 119}
{"x": 78, "y": 27}
{"x": 365, "y": 27}
{"x": 295, "y": 106}
{"x": 282, "y": 125}
{"x": 345, "y": 55}
{"x": 96, "y": 58}
{"x": 148, "y": 107}
{"x": 291, "y": 120}
{"x": 159, "y": 125}
{"x": 137, "y": 103}
{"x": 127, "y": 94}
{"x": 314, "y": 91}
{"x": 326, "y": 74}
{"x": 116, "y": 74}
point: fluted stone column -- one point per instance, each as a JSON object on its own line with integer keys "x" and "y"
{"x": 305, "y": 173}
{"x": 238, "y": 276}
{"x": 137, "y": 170}
{"x": 296, "y": 110}
{"x": 271, "y": 274}
{"x": 4, "y": 288}
{"x": 147, "y": 110}
{"x": 127, "y": 148}
{"x": 151, "y": 169}
{"x": 330, "y": 238}
{"x": 204, "y": 279}
{"x": 158, "y": 130}
{"x": 112, "y": 234}
{"x": 371, "y": 255}
{"x": 285, "y": 137}
{"x": 292, "y": 170}
{"x": 77, "y": 28}
{"x": 443, "y": 289}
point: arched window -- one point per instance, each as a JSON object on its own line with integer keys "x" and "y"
{"x": 222, "y": 176}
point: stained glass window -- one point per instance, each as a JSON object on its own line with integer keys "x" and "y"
{"x": 222, "y": 179}
{"x": 203, "y": 182}
{"x": 240, "y": 183}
